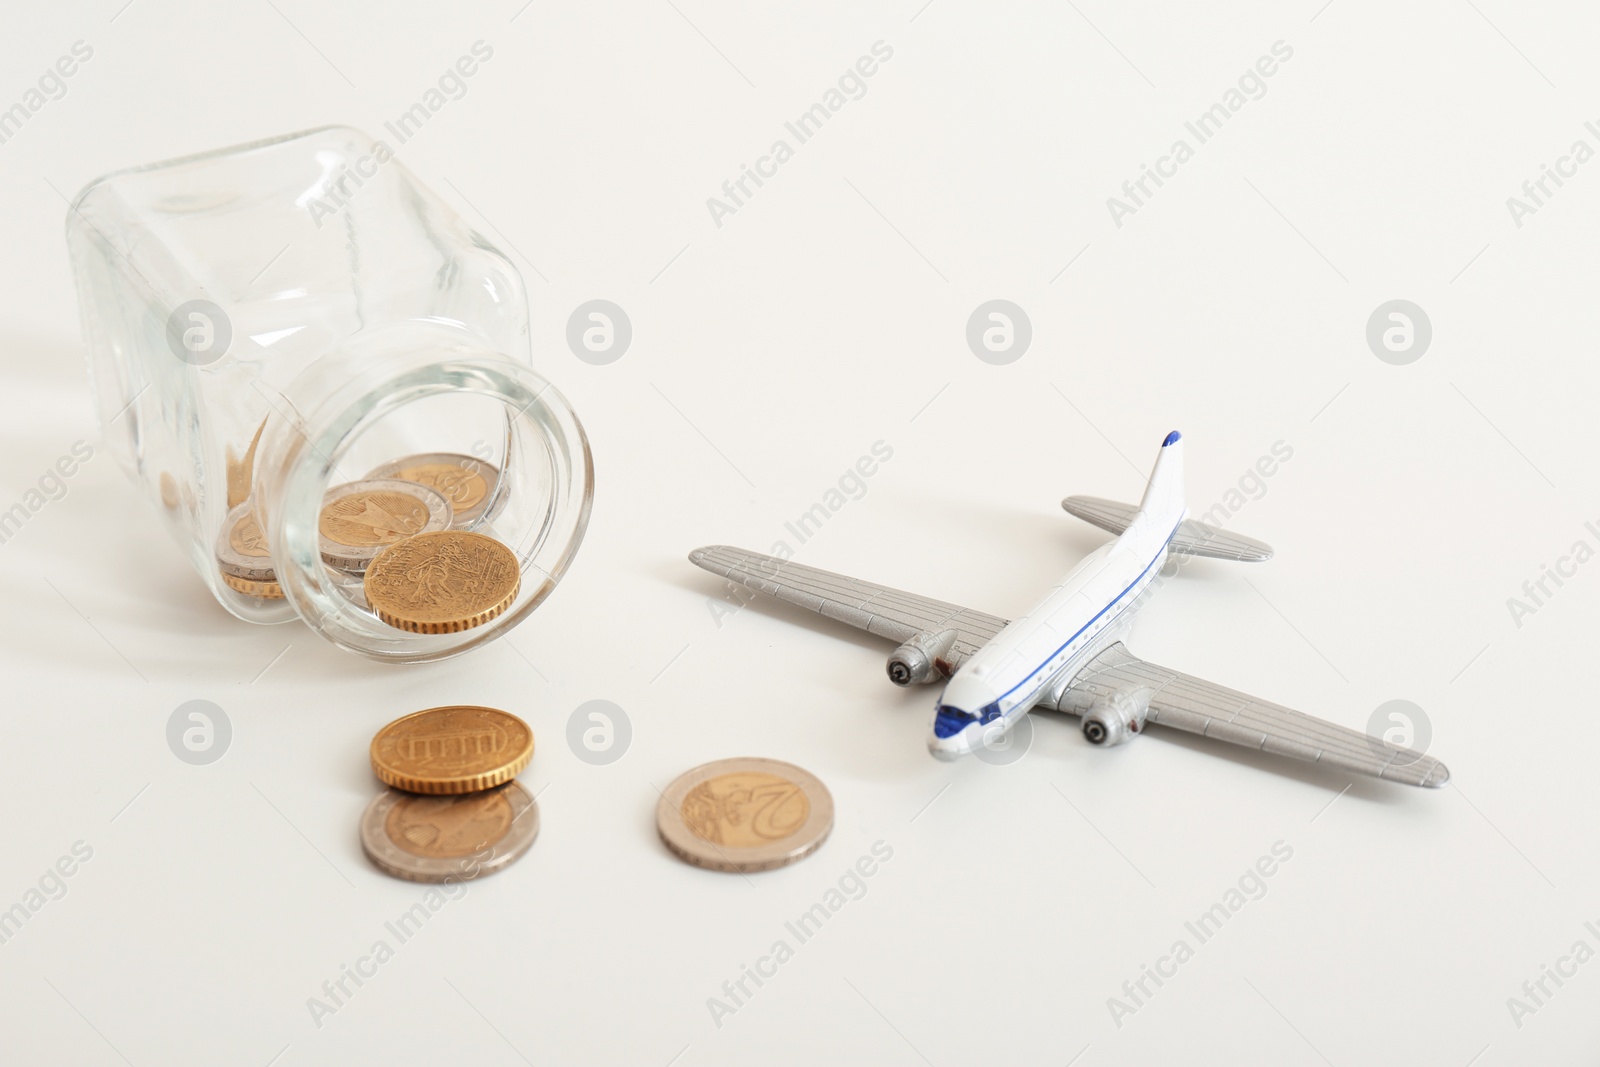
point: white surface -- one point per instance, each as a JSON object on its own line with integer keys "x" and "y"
{"x": 1418, "y": 499}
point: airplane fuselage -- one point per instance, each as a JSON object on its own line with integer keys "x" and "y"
{"x": 1005, "y": 678}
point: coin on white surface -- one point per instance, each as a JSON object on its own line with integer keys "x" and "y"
{"x": 744, "y": 815}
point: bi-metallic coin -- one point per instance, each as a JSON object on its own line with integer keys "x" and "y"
{"x": 745, "y": 815}
{"x": 242, "y": 548}
{"x": 449, "y": 839}
{"x": 468, "y": 483}
{"x": 361, "y": 519}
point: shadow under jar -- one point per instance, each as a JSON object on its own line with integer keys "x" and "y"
{"x": 269, "y": 322}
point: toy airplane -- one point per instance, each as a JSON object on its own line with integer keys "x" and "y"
{"x": 1065, "y": 654}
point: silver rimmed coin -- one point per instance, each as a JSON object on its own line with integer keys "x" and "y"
{"x": 242, "y": 549}
{"x": 745, "y": 815}
{"x": 468, "y": 483}
{"x": 449, "y": 838}
{"x": 363, "y": 518}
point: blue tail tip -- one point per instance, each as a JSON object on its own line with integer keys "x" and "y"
{"x": 1172, "y": 438}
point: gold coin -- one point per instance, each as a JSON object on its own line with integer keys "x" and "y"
{"x": 268, "y": 590}
{"x": 449, "y": 839}
{"x": 463, "y": 480}
{"x": 462, "y": 748}
{"x": 443, "y": 582}
{"x": 745, "y": 815}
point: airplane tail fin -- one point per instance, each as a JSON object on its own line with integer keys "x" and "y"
{"x": 1163, "y": 502}
{"x": 1163, "y": 509}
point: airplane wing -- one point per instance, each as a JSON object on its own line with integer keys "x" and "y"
{"x": 1195, "y": 706}
{"x": 877, "y": 609}
{"x": 1180, "y": 701}
{"x": 1192, "y": 539}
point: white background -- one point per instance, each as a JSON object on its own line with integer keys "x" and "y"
{"x": 768, "y": 355}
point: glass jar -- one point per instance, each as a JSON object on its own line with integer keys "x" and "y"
{"x": 270, "y": 321}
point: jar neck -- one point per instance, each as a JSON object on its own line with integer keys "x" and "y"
{"x": 340, "y": 414}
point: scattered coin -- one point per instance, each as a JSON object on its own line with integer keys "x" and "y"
{"x": 361, "y": 519}
{"x": 745, "y": 815}
{"x": 242, "y": 549}
{"x": 466, "y": 482}
{"x": 266, "y": 590}
{"x": 461, "y": 748}
{"x": 454, "y": 838}
{"x": 442, "y": 583}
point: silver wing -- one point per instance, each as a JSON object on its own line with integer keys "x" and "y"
{"x": 1179, "y": 701}
{"x": 876, "y": 609}
{"x": 1192, "y": 539}
{"x": 1195, "y": 706}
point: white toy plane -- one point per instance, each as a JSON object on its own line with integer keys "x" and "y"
{"x": 1065, "y": 654}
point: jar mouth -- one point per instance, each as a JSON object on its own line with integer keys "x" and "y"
{"x": 538, "y": 505}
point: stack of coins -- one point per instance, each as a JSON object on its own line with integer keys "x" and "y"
{"x": 745, "y": 815}
{"x": 454, "y": 810}
{"x": 406, "y": 533}
{"x": 243, "y": 558}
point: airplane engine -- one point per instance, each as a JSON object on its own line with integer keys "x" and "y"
{"x": 924, "y": 658}
{"x": 1114, "y": 719}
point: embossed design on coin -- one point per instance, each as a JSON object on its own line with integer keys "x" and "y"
{"x": 449, "y": 839}
{"x": 745, "y": 809}
{"x": 745, "y": 815}
{"x": 247, "y": 538}
{"x": 242, "y": 549}
{"x": 442, "y": 583}
{"x": 461, "y": 748}
{"x": 361, "y": 519}
{"x": 466, "y": 482}
{"x": 444, "y": 827}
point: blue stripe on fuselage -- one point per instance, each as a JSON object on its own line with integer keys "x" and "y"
{"x": 989, "y": 711}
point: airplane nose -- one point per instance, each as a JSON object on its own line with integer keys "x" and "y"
{"x": 942, "y": 748}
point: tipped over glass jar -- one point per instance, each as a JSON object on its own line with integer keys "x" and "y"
{"x": 309, "y": 362}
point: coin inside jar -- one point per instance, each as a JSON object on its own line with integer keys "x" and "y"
{"x": 361, "y": 519}
{"x": 447, "y": 839}
{"x": 442, "y": 583}
{"x": 266, "y": 590}
{"x": 242, "y": 549}
{"x": 745, "y": 815}
{"x": 468, "y": 483}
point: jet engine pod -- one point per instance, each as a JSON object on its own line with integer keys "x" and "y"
{"x": 924, "y": 658}
{"x": 1113, "y": 719}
